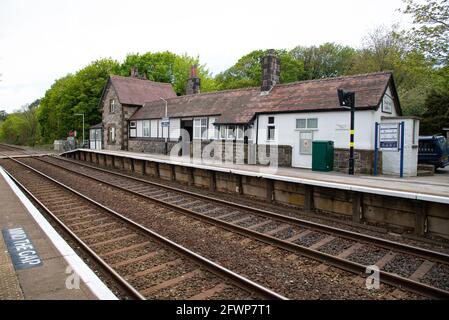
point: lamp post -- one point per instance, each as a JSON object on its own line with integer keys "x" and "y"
{"x": 81, "y": 114}
{"x": 347, "y": 100}
{"x": 166, "y": 139}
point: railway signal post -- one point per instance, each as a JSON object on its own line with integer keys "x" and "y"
{"x": 347, "y": 100}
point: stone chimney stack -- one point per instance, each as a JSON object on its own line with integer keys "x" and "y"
{"x": 193, "y": 84}
{"x": 134, "y": 72}
{"x": 271, "y": 70}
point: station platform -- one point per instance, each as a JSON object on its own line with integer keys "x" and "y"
{"x": 433, "y": 189}
{"x": 35, "y": 261}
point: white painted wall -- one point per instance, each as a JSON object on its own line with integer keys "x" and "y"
{"x": 332, "y": 126}
{"x": 391, "y": 159}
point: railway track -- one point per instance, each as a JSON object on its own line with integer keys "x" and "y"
{"x": 422, "y": 271}
{"x": 144, "y": 263}
{"x": 10, "y": 150}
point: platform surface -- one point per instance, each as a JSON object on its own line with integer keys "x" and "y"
{"x": 44, "y": 281}
{"x": 435, "y": 189}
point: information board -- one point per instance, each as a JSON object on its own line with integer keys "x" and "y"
{"x": 389, "y": 136}
{"x": 165, "y": 122}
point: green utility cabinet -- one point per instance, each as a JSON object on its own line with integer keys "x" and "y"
{"x": 322, "y": 155}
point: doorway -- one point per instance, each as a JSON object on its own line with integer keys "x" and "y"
{"x": 186, "y": 135}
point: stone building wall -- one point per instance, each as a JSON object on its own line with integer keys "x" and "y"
{"x": 239, "y": 153}
{"x": 118, "y": 119}
{"x": 112, "y": 120}
{"x": 363, "y": 161}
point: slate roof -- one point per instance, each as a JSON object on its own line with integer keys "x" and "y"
{"x": 241, "y": 105}
{"x": 135, "y": 91}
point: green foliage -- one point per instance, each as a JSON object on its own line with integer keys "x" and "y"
{"x": 326, "y": 60}
{"x": 437, "y": 112}
{"x": 78, "y": 93}
{"x": 168, "y": 67}
{"x": 247, "y": 72}
{"x": 21, "y": 127}
{"x": 430, "y": 32}
{"x": 414, "y": 74}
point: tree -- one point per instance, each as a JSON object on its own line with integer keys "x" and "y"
{"x": 78, "y": 93}
{"x": 168, "y": 67}
{"x": 385, "y": 50}
{"x": 247, "y": 72}
{"x": 431, "y": 28}
{"x": 21, "y": 127}
{"x": 326, "y": 60}
{"x": 437, "y": 114}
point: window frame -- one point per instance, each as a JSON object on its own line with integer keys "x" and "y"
{"x": 112, "y": 135}
{"x": 306, "y": 128}
{"x": 203, "y": 134}
{"x": 111, "y": 105}
{"x": 144, "y": 122}
{"x": 222, "y": 132}
{"x": 269, "y": 128}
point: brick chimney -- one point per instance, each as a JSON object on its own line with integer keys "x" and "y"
{"x": 193, "y": 84}
{"x": 134, "y": 72}
{"x": 271, "y": 70}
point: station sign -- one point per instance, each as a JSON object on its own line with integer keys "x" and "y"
{"x": 21, "y": 249}
{"x": 165, "y": 122}
{"x": 389, "y": 136}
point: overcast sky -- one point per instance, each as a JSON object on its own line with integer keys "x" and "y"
{"x": 43, "y": 40}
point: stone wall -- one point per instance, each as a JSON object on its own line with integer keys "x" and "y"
{"x": 150, "y": 145}
{"x": 239, "y": 152}
{"x": 118, "y": 119}
{"x": 364, "y": 161}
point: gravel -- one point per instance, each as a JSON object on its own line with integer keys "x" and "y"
{"x": 297, "y": 279}
{"x": 336, "y": 246}
{"x": 288, "y": 233}
{"x": 268, "y": 227}
{"x": 403, "y": 265}
{"x": 438, "y": 276}
{"x": 310, "y": 239}
{"x": 367, "y": 255}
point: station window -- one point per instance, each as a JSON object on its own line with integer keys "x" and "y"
{"x": 312, "y": 123}
{"x": 112, "y": 135}
{"x": 301, "y": 123}
{"x": 271, "y": 129}
{"x": 200, "y": 128}
{"x": 112, "y": 106}
{"x": 309, "y": 123}
{"x": 271, "y": 133}
{"x": 146, "y": 128}
{"x": 230, "y": 135}
{"x": 222, "y": 132}
{"x": 240, "y": 132}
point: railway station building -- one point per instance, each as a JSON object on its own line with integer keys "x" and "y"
{"x": 145, "y": 116}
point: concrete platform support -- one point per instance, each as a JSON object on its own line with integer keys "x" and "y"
{"x": 357, "y": 207}
{"x": 395, "y": 213}
{"x": 308, "y": 198}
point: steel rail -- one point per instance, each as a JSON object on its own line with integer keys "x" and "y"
{"x": 353, "y": 267}
{"x": 350, "y": 235}
{"x": 213, "y": 267}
